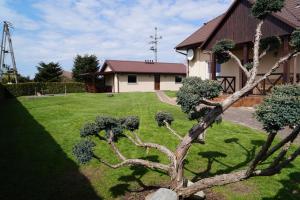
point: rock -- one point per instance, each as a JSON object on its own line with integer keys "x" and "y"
{"x": 199, "y": 195}
{"x": 162, "y": 194}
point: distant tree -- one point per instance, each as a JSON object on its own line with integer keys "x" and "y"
{"x": 50, "y": 72}
{"x": 84, "y": 64}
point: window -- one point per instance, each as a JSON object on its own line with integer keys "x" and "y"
{"x": 218, "y": 68}
{"x": 132, "y": 79}
{"x": 178, "y": 79}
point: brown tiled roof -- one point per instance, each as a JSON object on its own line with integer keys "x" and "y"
{"x": 118, "y": 66}
{"x": 290, "y": 14}
{"x": 200, "y": 35}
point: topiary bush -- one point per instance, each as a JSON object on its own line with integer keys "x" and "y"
{"x": 262, "y": 8}
{"x": 270, "y": 43}
{"x": 162, "y": 117}
{"x": 220, "y": 49}
{"x": 89, "y": 129}
{"x": 131, "y": 123}
{"x": 83, "y": 151}
{"x": 280, "y": 109}
{"x": 107, "y": 124}
{"x": 194, "y": 90}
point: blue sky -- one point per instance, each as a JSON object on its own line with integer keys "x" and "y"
{"x": 58, "y": 30}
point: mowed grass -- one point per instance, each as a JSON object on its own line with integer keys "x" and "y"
{"x": 171, "y": 94}
{"x": 37, "y": 137}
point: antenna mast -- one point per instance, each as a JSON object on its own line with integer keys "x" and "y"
{"x": 155, "y": 38}
{"x": 4, "y": 68}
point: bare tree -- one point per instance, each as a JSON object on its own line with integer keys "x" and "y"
{"x": 200, "y": 107}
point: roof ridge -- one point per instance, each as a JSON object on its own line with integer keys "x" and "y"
{"x": 144, "y": 62}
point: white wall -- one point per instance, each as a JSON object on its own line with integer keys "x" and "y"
{"x": 198, "y": 67}
{"x": 145, "y": 83}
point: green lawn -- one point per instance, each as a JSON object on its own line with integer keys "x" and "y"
{"x": 171, "y": 94}
{"x": 37, "y": 136}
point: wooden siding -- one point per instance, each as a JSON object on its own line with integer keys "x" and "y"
{"x": 239, "y": 25}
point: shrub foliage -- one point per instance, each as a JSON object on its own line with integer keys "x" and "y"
{"x": 280, "y": 109}
{"x": 262, "y": 8}
{"x": 83, "y": 151}
{"x": 194, "y": 90}
{"x": 162, "y": 117}
{"x": 220, "y": 49}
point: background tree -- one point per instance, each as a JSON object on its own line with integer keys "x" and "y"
{"x": 50, "y": 72}
{"x": 84, "y": 64}
{"x": 279, "y": 110}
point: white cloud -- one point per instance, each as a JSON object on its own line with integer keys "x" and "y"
{"x": 111, "y": 29}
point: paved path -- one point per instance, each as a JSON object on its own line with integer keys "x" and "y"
{"x": 241, "y": 115}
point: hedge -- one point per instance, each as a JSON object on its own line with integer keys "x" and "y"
{"x": 28, "y": 89}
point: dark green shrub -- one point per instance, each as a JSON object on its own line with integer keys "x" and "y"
{"x": 262, "y": 8}
{"x": 271, "y": 43}
{"x": 131, "y": 123}
{"x": 107, "y": 124}
{"x": 280, "y": 109}
{"x": 161, "y": 117}
{"x": 27, "y": 89}
{"x": 295, "y": 40}
{"x": 89, "y": 129}
{"x": 194, "y": 90}
{"x": 220, "y": 49}
{"x": 83, "y": 151}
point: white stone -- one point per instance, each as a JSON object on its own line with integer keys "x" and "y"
{"x": 163, "y": 194}
{"x": 197, "y": 196}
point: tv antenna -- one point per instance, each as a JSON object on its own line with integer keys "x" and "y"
{"x": 155, "y": 38}
{"x": 7, "y": 49}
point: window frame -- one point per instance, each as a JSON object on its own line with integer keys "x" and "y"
{"x": 178, "y": 76}
{"x": 132, "y": 83}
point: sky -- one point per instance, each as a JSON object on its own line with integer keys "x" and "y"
{"x": 58, "y": 30}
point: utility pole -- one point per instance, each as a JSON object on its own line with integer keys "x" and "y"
{"x": 155, "y": 38}
{"x": 4, "y": 68}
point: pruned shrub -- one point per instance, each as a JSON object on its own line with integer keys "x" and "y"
{"x": 220, "y": 50}
{"x": 262, "y": 8}
{"x": 83, "y": 151}
{"x": 194, "y": 90}
{"x": 89, "y": 129}
{"x": 280, "y": 109}
{"x": 162, "y": 117}
{"x": 131, "y": 123}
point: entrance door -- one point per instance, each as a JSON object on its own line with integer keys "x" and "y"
{"x": 156, "y": 82}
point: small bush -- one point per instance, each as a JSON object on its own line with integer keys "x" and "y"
{"x": 280, "y": 109}
{"x": 89, "y": 129}
{"x": 220, "y": 49}
{"x": 194, "y": 90}
{"x": 28, "y": 89}
{"x": 161, "y": 117}
{"x": 131, "y": 123}
{"x": 83, "y": 151}
{"x": 262, "y": 8}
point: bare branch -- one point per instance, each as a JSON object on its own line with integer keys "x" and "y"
{"x": 261, "y": 154}
{"x": 238, "y": 61}
{"x": 276, "y": 169}
{"x": 114, "y": 147}
{"x": 133, "y": 162}
{"x": 290, "y": 138}
{"x": 264, "y": 53}
{"x": 172, "y": 131}
{"x": 281, "y": 155}
{"x": 258, "y": 35}
{"x": 211, "y": 182}
{"x": 209, "y": 103}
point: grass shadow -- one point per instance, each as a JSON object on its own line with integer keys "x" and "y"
{"x": 290, "y": 188}
{"x": 33, "y": 166}
{"x": 214, "y": 157}
{"x": 137, "y": 173}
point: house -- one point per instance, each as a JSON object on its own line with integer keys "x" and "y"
{"x": 148, "y": 76}
{"x": 239, "y": 25}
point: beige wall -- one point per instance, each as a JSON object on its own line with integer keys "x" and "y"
{"x": 198, "y": 67}
{"x": 145, "y": 83}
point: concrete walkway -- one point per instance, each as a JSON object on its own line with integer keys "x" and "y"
{"x": 241, "y": 115}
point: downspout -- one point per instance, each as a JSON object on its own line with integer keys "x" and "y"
{"x": 118, "y": 83}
